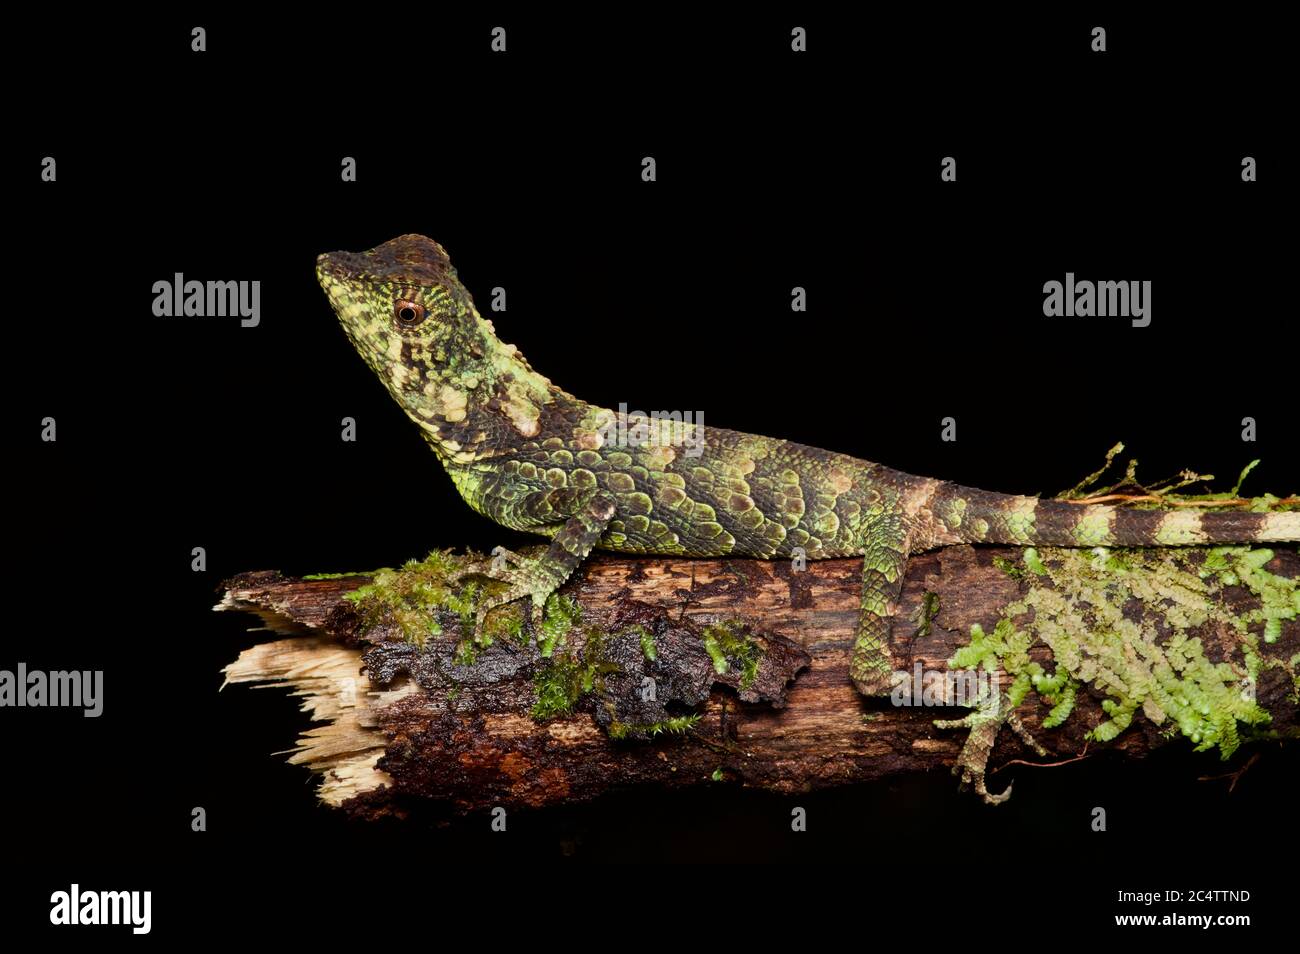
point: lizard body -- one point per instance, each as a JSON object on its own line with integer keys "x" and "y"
{"x": 534, "y": 458}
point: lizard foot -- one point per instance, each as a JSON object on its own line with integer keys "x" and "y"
{"x": 524, "y": 576}
{"x": 984, "y": 722}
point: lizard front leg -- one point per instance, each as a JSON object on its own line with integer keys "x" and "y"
{"x": 589, "y": 514}
{"x": 884, "y": 560}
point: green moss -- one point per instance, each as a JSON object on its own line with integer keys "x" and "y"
{"x": 1121, "y": 622}
{"x": 462, "y": 602}
{"x": 559, "y": 685}
{"x": 1087, "y": 485}
{"x": 1166, "y": 491}
{"x": 561, "y": 680}
{"x": 1236, "y": 488}
{"x": 647, "y": 641}
{"x": 1009, "y": 567}
{"x": 1279, "y": 596}
{"x": 728, "y": 644}
{"x": 411, "y": 598}
{"x": 1033, "y": 563}
{"x": 338, "y": 576}
{"x": 467, "y": 651}
{"x": 561, "y": 614}
{"x": 676, "y": 725}
{"x": 1063, "y": 707}
{"x": 507, "y": 622}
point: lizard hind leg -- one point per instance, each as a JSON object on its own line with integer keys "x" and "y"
{"x": 884, "y": 561}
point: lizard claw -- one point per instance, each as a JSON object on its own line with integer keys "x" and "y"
{"x": 522, "y": 579}
{"x": 983, "y": 723}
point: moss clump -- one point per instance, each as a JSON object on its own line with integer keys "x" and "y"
{"x": 408, "y": 599}
{"x": 507, "y": 623}
{"x": 417, "y": 599}
{"x": 728, "y": 644}
{"x": 1147, "y": 659}
{"x": 561, "y": 680}
{"x": 1279, "y": 598}
{"x": 559, "y": 684}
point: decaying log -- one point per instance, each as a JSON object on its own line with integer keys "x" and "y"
{"x": 403, "y": 726}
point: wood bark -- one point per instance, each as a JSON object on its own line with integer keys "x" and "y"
{"x": 465, "y": 740}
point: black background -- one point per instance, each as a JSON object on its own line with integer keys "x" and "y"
{"x": 774, "y": 170}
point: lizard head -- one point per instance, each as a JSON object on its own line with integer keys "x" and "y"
{"x": 408, "y": 315}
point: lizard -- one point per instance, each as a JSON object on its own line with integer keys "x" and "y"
{"x": 535, "y": 458}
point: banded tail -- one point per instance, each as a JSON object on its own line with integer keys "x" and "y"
{"x": 977, "y": 516}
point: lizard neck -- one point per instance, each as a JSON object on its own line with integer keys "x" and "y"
{"x": 485, "y": 400}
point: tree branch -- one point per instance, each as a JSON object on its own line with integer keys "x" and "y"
{"x": 403, "y": 725}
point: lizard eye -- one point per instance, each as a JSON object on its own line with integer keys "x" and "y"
{"x": 408, "y": 313}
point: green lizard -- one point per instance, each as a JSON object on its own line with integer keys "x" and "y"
{"x": 535, "y": 458}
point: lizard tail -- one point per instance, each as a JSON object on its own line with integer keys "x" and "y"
{"x": 977, "y": 516}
